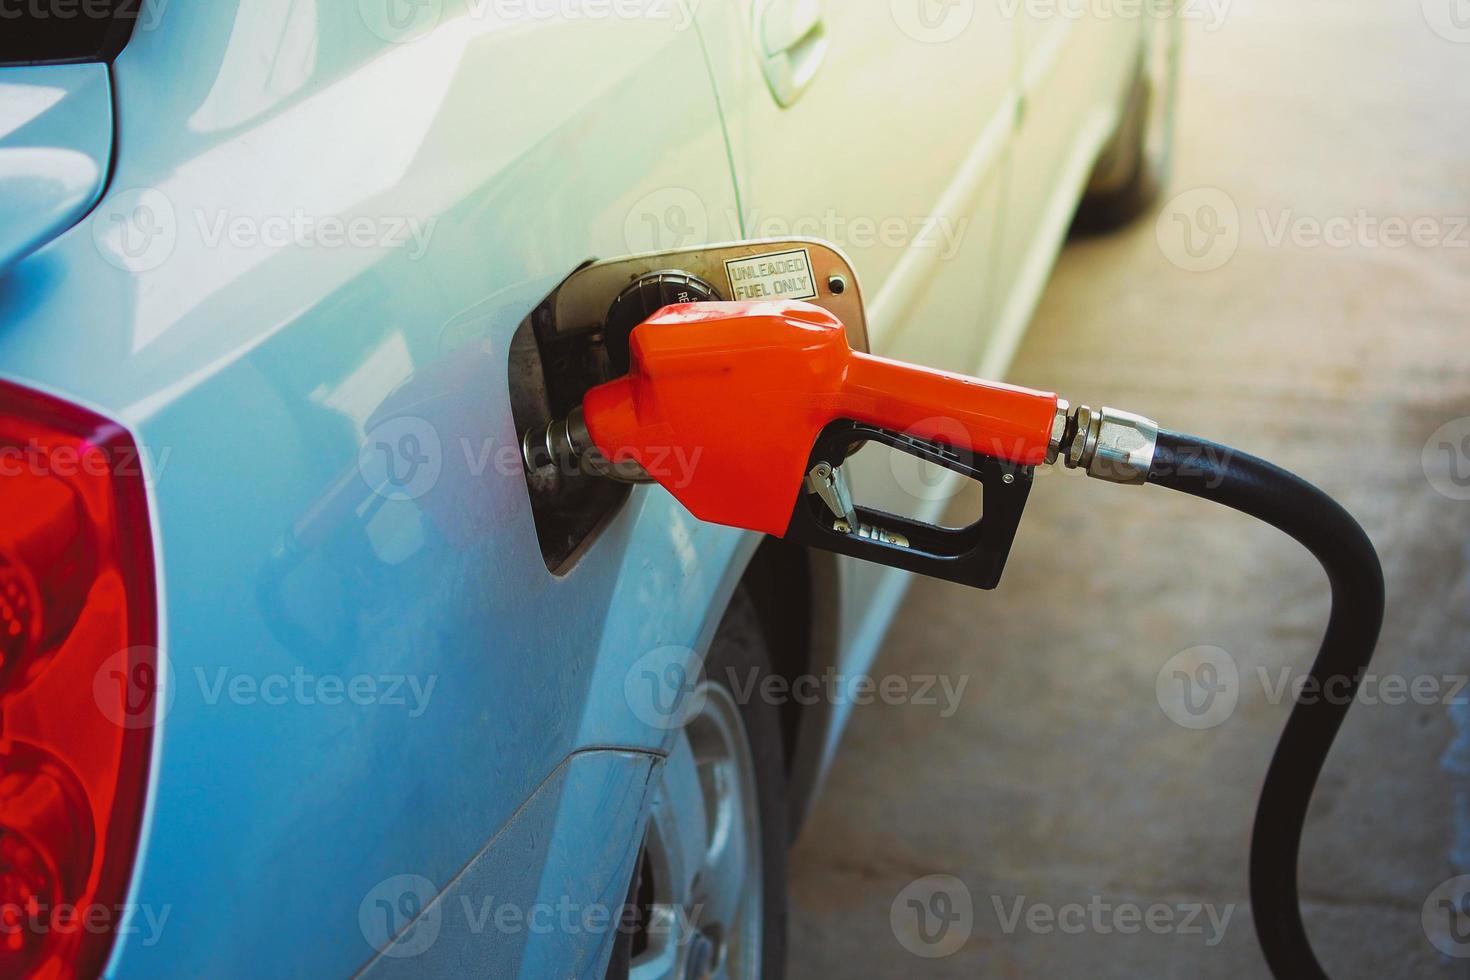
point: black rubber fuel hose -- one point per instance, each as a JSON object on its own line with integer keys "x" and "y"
{"x": 1285, "y": 501}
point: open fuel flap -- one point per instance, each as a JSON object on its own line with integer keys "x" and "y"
{"x": 577, "y": 338}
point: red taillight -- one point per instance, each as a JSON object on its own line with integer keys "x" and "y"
{"x": 78, "y": 664}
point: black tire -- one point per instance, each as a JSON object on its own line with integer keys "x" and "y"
{"x": 1134, "y": 168}
{"x": 739, "y": 648}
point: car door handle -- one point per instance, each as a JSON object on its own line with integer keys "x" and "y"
{"x": 792, "y": 38}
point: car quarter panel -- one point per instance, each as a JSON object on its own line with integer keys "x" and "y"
{"x": 545, "y": 897}
{"x": 299, "y": 292}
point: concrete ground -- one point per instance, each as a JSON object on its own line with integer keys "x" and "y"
{"x": 1061, "y": 787}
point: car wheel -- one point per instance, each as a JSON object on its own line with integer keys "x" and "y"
{"x": 710, "y": 890}
{"x": 1133, "y": 170}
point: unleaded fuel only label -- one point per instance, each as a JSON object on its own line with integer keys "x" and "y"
{"x": 780, "y": 275}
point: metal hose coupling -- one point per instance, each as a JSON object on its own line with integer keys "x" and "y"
{"x": 1110, "y": 444}
{"x": 566, "y": 445}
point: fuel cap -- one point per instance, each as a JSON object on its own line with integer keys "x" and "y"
{"x": 641, "y": 300}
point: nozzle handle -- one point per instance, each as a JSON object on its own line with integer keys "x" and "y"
{"x": 973, "y": 556}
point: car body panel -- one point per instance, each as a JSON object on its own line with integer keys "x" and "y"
{"x": 917, "y": 205}
{"x": 898, "y": 186}
{"x": 983, "y": 162}
{"x": 55, "y": 149}
{"x": 1072, "y": 75}
{"x": 261, "y": 377}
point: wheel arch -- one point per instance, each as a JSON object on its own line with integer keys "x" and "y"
{"x": 795, "y": 594}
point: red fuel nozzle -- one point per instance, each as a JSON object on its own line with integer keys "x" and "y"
{"x": 724, "y": 403}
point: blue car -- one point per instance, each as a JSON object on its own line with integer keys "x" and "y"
{"x": 303, "y": 675}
